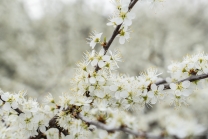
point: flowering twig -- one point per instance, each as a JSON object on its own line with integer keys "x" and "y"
{"x": 191, "y": 79}
{"x": 115, "y": 33}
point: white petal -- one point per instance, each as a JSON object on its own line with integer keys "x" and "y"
{"x": 93, "y": 53}
{"x": 101, "y": 63}
{"x": 150, "y": 94}
{"x": 205, "y": 70}
{"x": 161, "y": 87}
{"x": 100, "y": 94}
{"x": 14, "y": 105}
{"x": 173, "y": 86}
{"x": 117, "y": 95}
{"x": 94, "y": 62}
{"x": 100, "y": 78}
{"x": 92, "y": 80}
{"x": 91, "y": 88}
{"x": 6, "y": 106}
{"x": 127, "y": 22}
{"x": 124, "y": 94}
{"x": 154, "y": 87}
{"x": 102, "y": 51}
{"x": 186, "y": 84}
{"x": 30, "y": 126}
{"x": 109, "y": 24}
{"x": 92, "y": 44}
{"x": 122, "y": 40}
{"x": 42, "y": 129}
{"x": 125, "y": 6}
{"x": 98, "y": 35}
{"x": 178, "y": 93}
{"x": 5, "y": 96}
{"x": 144, "y": 93}
{"x": 127, "y": 36}
{"x": 113, "y": 88}
{"x": 106, "y": 58}
{"x": 154, "y": 100}
{"x": 1, "y": 102}
{"x": 103, "y": 134}
{"x": 118, "y": 21}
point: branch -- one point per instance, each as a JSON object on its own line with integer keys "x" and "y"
{"x": 113, "y": 129}
{"x": 39, "y": 136}
{"x": 53, "y": 124}
{"x": 115, "y": 32}
{"x": 191, "y": 79}
{"x": 133, "y": 2}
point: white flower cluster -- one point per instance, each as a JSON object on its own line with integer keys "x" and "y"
{"x": 23, "y": 123}
{"x": 190, "y": 66}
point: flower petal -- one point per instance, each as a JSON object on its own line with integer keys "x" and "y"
{"x": 122, "y": 40}
{"x": 178, "y": 93}
{"x": 154, "y": 100}
{"x": 113, "y": 88}
{"x": 173, "y": 86}
{"x": 150, "y": 94}
{"x": 161, "y": 87}
{"x": 154, "y": 87}
{"x": 186, "y": 84}
{"x": 94, "y": 62}
{"x": 101, "y": 63}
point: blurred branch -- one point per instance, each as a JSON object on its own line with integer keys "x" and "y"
{"x": 114, "y": 129}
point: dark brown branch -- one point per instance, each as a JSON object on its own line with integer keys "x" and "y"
{"x": 53, "y": 124}
{"x": 132, "y": 4}
{"x": 39, "y": 136}
{"x": 18, "y": 111}
{"x": 115, "y": 33}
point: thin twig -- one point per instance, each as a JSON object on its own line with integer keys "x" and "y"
{"x": 191, "y": 79}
